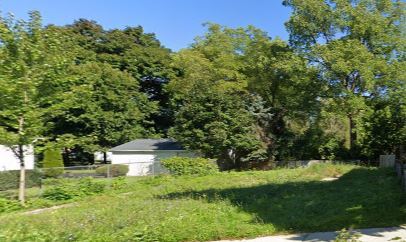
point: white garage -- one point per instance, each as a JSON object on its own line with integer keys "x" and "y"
{"x": 9, "y": 162}
{"x": 143, "y": 155}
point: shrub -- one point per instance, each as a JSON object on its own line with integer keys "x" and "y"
{"x": 190, "y": 166}
{"x": 66, "y": 190}
{"x": 88, "y": 186}
{"x": 52, "y": 160}
{"x": 7, "y": 205}
{"x": 10, "y": 179}
{"x": 119, "y": 183}
{"x": 115, "y": 170}
{"x": 60, "y": 192}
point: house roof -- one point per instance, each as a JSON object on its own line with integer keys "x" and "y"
{"x": 149, "y": 145}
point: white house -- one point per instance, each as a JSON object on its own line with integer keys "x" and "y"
{"x": 143, "y": 155}
{"x": 8, "y": 161}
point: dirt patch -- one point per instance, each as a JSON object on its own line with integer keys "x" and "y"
{"x": 41, "y": 210}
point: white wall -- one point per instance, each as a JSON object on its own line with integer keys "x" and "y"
{"x": 98, "y": 156}
{"x": 8, "y": 161}
{"x": 142, "y": 163}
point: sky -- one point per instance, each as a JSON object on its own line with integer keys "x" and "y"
{"x": 175, "y": 22}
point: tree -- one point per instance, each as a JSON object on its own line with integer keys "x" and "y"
{"x": 103, "y": 107}
{"x": 29, "y": 60}
{"x": 218, "y": 124}
{"x": 211, "y": 99}
{"x": 285, "y": 83}
{"x": 133, "y": 51}
{"x": 355, "y": 44}
{"x": 249, "y": 64}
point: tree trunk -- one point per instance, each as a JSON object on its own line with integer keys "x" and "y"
{"x": 351, "y": 134}
{"x": 104, "y": 157}
{"x": 21, "y": 188}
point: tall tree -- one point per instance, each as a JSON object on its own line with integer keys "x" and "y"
{"x": 355, "y": 44}
{"x": 103, "y": 107}
{"x": 219, "y": 125}
{"x": 136, "y": 52}
{"x": 286, "y": 84}
{"x": 212, "y": 87}
{"x": 29, "y": 60}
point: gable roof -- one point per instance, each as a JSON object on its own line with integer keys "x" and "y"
{"x": 149, "y": 145}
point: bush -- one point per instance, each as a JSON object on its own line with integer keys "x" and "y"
{"x": 66, "y": 190}
{"x": 119, "y": 183}
{"x": 190, "y": 166}
{"x": 87, "y": 186}
{"x": 10, "y": 179}
{"x": 52, "y": 160}
{"x": 7, "y": 205}
{"x": 115, "y": 170}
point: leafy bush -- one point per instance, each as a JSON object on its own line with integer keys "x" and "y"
{"x": 65, "y": 190}
{"x": 60, "y": 192}
{"x": 7, "y": 205}
{"x": 52, "y": 160}
{"x": 10, "y": 179}
{"x": 190, "y": 166}
{"x": 115, "y": 170}
{"x": 331, "y": 149}
{"x": 87, "y": 186}
{"x": 119, "y": 183}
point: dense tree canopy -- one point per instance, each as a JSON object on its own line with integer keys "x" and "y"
{"x": 356, "y": 46}
{"x": 335, "y": 90}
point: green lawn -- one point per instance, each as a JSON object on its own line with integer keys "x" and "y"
{"x": 226, "y": 205}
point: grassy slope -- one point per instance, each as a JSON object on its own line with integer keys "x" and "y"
{"x": 227, "y": 205}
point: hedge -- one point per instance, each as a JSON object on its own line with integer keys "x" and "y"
{"x": 190, "y": 166}
{"x": 115, "y": 170}
{"x": 10, "y": 179}
{"x": 52, "y": 163}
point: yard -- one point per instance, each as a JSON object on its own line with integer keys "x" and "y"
{"x": 225, "y": 205}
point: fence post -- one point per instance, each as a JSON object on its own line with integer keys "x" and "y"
{"x": 41, "y": 182}
{"x": 109, "y": 175}
{"x": 108, "y": 170}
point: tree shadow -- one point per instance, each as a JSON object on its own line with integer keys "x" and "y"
{"x": 360, "y": 198}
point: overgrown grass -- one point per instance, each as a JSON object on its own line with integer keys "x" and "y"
{"x": 225, "y": 205}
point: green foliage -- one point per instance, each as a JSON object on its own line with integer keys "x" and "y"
{"x": 336, "y": 90}
{"x": 214, "y": 122}
{"x": 190, "y": 166}
{"x": 135, "y": 52}
{"x": 347, "y": 236}
{"x": 10, "y": 179}
{"x": 102, "y": 108}
{"x": 60, "y": 192}
{"x": 384, "y": 128}
{"x": 330, "y": 149}
{"x": 52, "y": 163}
{"x": 65, "y": 190}
{"x": 114, "y": 170}
{"x": 31, "y": 62}
{"x": 357, "y": 49}
{"x": 119, "y": 183}
{"x": 7, "y": 205}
